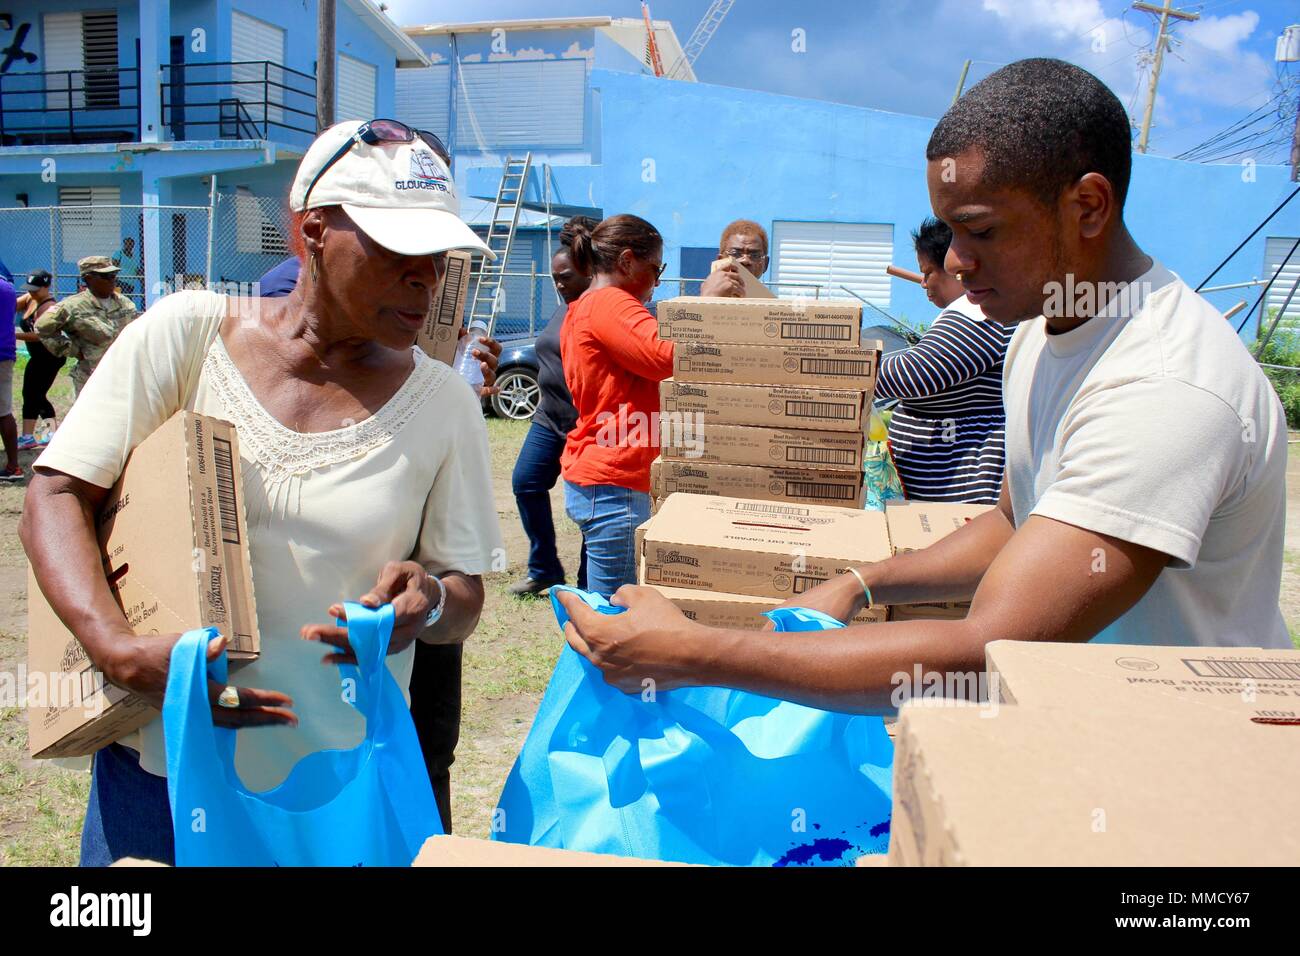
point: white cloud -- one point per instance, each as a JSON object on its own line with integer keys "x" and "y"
{"x": 1061, "y": 18}
{"x": 1223, "y": 34}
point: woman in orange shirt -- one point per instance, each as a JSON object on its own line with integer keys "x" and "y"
{"x": 614, "y": 361}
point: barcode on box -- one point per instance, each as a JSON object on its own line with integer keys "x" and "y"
{"x": 857, "y": 368}
{"x": 822, "y": 456}
{"x": 758, "y": 506}
{"x": 820, "y": 489}
{"x": 835, "y": 410}
{"x": 819, "y": 331}
{"x": 1250, "y": 670}
{"x": 450, "y": 290}
{"x": 806, "y": 582}
{"x": 226, "y": 502}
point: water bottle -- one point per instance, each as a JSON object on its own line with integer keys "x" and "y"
{"x": 467, "y": 364}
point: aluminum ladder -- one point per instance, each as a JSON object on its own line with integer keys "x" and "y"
{"x": 488, "y": 296}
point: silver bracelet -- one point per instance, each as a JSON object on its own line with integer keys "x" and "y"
{"x": 435, "y": 614}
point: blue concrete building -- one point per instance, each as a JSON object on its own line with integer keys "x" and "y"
{"x": 151, "y": 111}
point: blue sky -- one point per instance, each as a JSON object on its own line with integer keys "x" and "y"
{"x": 906, "y": 55}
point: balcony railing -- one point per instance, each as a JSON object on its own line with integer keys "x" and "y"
{"x": 70, "y": 106}
{"x": 247, "y": 99}
{"x": 250, "y": 99}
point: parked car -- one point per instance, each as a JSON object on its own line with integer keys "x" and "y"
{"x": 517, "y": 378}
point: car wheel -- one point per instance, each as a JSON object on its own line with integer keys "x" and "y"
{"x": 519, "y": 395}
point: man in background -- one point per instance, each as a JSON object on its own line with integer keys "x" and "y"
{"x": 745, "y": 243}
{"x": 84, "y": 325}
{"x": 129, "y": 264}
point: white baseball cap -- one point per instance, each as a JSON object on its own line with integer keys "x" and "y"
{"x": 401, "y": 194}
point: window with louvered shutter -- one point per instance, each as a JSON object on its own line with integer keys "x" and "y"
{"x": 90, "y": 220}
{"x": 1275, "y": 250}
{"x": 254, "y": 44}
{"x": 355, "y": 97}
{"x": 831, "y": 257}
{"x": 421, "y": 96}
{"x": 521, "y": 103}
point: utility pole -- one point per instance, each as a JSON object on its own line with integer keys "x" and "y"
{"x": 1162, "y": 43}
{"x": 961, "y": 83}
{"x": 324, "y": 64}
{"x": 1295, "y": 147}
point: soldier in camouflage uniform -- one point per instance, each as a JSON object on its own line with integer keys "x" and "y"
{"x": 84, "y": 325}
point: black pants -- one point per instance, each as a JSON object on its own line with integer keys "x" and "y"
{"x": 37, "y": 378}
{"x": 435, "y": 708}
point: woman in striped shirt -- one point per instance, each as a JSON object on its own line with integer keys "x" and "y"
{"x": 947, "y": 430}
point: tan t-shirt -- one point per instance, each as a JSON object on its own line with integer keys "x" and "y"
{"x": 1151, "y": 423}
{"x": 325, "y": 510}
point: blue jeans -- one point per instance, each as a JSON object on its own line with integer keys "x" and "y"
{"x": 608, "y": 516}
{"x": 128, "y": 813}
{"x": 536, "y": 470}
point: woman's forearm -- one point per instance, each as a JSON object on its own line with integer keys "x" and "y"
{"x": 57, "y": 532}
{"x": 461, "y": 613}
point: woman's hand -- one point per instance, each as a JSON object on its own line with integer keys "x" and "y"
{"x": 404, "y": 584}
{"x": 140, "y": 665}
{"x": 488, "y": 352}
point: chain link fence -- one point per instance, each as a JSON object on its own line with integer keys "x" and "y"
{"x": 250, "y": 235}
{"x": 53, "y": 238}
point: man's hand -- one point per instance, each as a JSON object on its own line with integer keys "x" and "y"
{"x": 650, "y": 641}
{"x": 405, "y": 585}
{"x": 724, "y": 281}
{"x": 841, "y": 597}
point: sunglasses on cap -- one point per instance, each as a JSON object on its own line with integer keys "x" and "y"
{"x": 381, "y": 131}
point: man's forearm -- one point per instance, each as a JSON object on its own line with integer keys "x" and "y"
{"x": 461, "y": 613}
{"x": 948, "y": 570}
{"x": 854, "y": 670}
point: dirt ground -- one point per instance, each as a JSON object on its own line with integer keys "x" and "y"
{"x": 507, "y": 663}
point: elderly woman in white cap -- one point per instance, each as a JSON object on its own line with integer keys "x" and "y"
{"x": 365, "y": 465}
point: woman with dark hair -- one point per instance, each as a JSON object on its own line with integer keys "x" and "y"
{"x": 614, "y": 361}
{"x": 947, "y": 432}
{"x": 538, "y": 466}
{"x": 364, "y": 464}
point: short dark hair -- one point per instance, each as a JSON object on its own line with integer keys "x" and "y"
{"x": 596, "y": 250}
{"x": 932, "y": 240}
{"x": 1041, "y": 125}
{"x": 742, "y": 225}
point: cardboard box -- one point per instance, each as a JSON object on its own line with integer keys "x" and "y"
{"x": 802, "y": 365}
{"x": 680, "y": 440}
{"x": 843, "y": 489}
{"x": 915, "y": 525}
{"x": 175, "y": 552}
{"x": 443, "y": 850}
{"x": 1047, "y": 786}
{"x": 933, "y": 611}
{"x": 754, "y": 289}
{"x": 442, "y": 325}
{"x": 738, "y": 611}
{"x": 765, "y": 548}
{"x": 690, "y": 318}
{"x": 1228, "y": 682}
{"x": 774, "y": 406}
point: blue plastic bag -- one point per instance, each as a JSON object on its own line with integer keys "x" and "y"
{"x": 697, "y": 775}
{"x": 369, "y": 806}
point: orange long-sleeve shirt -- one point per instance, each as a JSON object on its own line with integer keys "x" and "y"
{"x": 614, "y": 361}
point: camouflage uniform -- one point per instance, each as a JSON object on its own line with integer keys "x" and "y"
{"x": 84, "y": 326}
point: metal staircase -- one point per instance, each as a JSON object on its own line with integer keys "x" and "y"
{"x": 487, "y": 299}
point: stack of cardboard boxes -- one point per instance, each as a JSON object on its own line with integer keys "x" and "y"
{"x": 769, "y": 400}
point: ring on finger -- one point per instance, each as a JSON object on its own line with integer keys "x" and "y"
{"x": 229, "y": 698}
